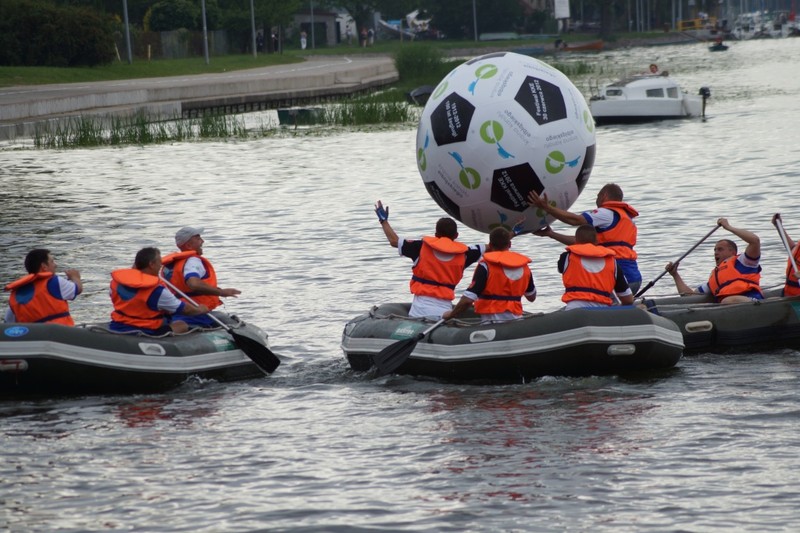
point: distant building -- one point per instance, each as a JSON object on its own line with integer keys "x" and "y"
{"x": 329, "y": 26}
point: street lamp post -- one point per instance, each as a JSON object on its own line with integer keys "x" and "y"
{"x": 205, "y": 30}
{"x": 474, "y": 21}
{"x": 127, "y": 31}
{"x": 312, "y": 24}
{"x": 253, "y": 27}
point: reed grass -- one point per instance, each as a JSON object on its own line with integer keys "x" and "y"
{"x": 375, "y": 110}
{"x": 92, "y": 131}
{"x": 89, "y": 131}
{"x": 417, "y": 64}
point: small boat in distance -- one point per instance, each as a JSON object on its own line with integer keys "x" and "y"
{"x": 644, "y": 98}
{"x": 301, "y": 116}
{"x": 420, "y": 95}
{"x": 594, "y": 46}
{"x": 718, "y": 47}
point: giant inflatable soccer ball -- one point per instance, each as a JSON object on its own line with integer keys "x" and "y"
{"x": 498, "y": 127}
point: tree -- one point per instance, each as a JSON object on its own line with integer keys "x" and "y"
{"x": 268, "y": 14}
{"x": 170, "y": 15}
{"x": 454, "y": 17}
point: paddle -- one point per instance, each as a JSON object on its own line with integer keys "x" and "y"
{"x": 785, "y": 239}
{"x": 394, "y": 355}
{"x": 253, "y": 348}
{"x": 681, "y": 258}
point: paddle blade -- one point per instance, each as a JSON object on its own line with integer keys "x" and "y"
{"x": 255, "y": 350}
{"x": 390, "y": 358}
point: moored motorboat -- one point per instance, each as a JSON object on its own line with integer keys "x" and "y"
{"x": 579, "y": 342}
{"x": 594, "y": 46}
{"x": 643, "y": 98}
{"x": 50, "y": 359}
{"x": 773, "y": 322}
{"x": 301, "y": 116}
{"x": 420, "y": 95}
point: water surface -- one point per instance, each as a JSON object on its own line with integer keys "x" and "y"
{"x": 710, "y": 445}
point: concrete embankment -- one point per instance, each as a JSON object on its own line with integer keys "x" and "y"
{"x": 24, "y": 110}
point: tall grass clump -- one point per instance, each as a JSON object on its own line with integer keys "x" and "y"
{"x": 368, "y": 111}
{"x": 579, "y": 68}
{"x": 137, "y": 129}
{"x": 422, "y": 64}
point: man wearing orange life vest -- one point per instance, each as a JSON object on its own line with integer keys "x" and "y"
{"x": 500, "y": 281}
{"x": 141, "y": 303}
{"x": 590, "y": 273}
{"x": 194, "y": 275}
{"x": 736, "y": 277}
{"x": 41, "y": 295}
{"x": 792, "y": 285}
{"x": 439, "y": 263}
{"x": 613, "y": 220}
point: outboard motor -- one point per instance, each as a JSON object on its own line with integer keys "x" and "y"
{"x": 705, "y": 92}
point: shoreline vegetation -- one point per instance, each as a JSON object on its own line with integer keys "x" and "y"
{"x": 140, "y": 68}
{"x": 418, "y": 64}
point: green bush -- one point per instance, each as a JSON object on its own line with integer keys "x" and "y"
{"x": 34, "y": 33}
{"x": 417, "y": 60}
{"x": 173, "y": 14}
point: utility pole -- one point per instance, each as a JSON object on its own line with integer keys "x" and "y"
{"x": 474, "y": 21}
{"x": 253, "y": 27}
{"x": 205, "y": 30}
{"x": 127, "y": 31}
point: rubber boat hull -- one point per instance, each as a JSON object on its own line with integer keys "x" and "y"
{"x": 50, "y": 359}
{"x": 562, "y": 343}
{"x": 706, "y": 326}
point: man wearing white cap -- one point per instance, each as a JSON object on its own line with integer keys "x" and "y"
{"x": 194, "y": 275}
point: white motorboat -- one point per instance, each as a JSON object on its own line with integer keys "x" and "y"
{"x": 645, "y": 97}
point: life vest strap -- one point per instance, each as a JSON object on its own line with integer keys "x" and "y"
{"x": 53, "y": 317}
{"x": 431, "y": 282}
{"x": 617, "y": 243}
{"x": 589, "y": 290}
{"x": 499, "y": 297}
{"x": 153, "y": 317}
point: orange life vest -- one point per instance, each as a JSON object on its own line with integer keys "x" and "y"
{"x": 502, "y": 293}
{"x": 620, "y": 237}
{"x": 726, "y": 280}
{"x": 130, "y": 289}
{"x": 175, "y": 263}
{"x": 30, "y": 301}
{"x": 439, "y": 268}
{"x": 581, "y": 284}
{"x": 792, "y": 287}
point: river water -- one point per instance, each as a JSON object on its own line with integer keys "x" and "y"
{"x": 709, "y": 446}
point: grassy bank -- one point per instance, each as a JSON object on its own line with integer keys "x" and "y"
{"x": 11, "y": 76}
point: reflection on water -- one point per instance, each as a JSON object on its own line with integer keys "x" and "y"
{"x": 289, "y": 222}
{"x": 507, "y": 438}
